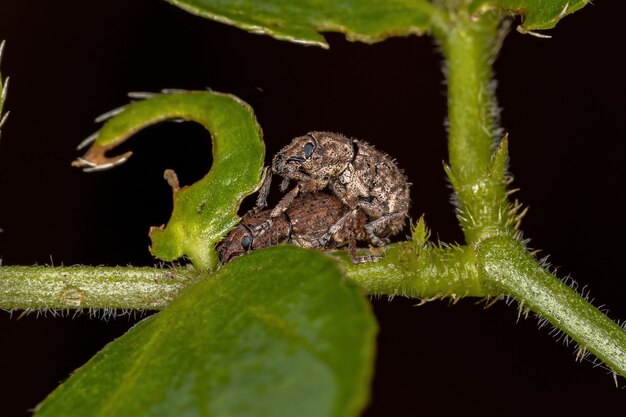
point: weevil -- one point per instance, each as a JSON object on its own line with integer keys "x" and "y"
{"x": 304, "y": 223}
{"x": 364, "y": 178}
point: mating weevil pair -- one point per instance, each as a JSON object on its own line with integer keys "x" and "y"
{"x": 373, "y": 191}
{"x": 303, "y": 223}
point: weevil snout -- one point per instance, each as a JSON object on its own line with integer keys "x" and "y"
{"x": 282, "y": 165}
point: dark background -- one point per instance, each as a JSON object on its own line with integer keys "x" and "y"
{"x": 563, "y": 104}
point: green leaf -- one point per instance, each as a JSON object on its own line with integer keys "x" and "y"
{"x": 277, "y": 332}
{"x": 366, "y": 20}
{"x": 207, "y": 210}
{"x": 538, "y": 14}
{"x": 301, "y": 21}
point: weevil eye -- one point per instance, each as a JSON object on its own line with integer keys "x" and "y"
{"x": 246, "y": 242}
{"x": 308, "y": 150}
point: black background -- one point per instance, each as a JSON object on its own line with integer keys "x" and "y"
{"x": 563, "y": 104}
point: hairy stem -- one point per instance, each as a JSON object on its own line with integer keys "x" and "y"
{"x": 478, "y": 175}
{"x": 470, "y": 48}
{"x": 408, "y": 270}
{"x": 411, "y": 269}
{"x": 24, "y": 287}
{"x": 506, "y": 267}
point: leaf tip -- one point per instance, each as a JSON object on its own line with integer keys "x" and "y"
{"x": 96, "y": 160}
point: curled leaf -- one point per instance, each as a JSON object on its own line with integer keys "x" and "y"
{"x": 206, "y": 210}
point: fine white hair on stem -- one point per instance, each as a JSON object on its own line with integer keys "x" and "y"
{"x": 2, "y": 49}
{"x": 4, "y": 118}
{"x": 5, "y": 88}
{"x": 88, "y": 141}
{"x": 109, "y": 114}
{"x": 84, "y": 162}
{"x": 563, "y": 11}
{"x": 140, "y": 95}
{"x": 103, "y": 167}
{"x": 3, "y": 97}
{"x": 174, "y": 91}
{"x": 93, "y": 313}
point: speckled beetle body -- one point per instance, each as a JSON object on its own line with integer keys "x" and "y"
{"x": 363, "y": 177}
{"x": 304, "y": 223}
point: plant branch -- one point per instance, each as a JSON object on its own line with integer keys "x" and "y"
{"x": 506, "y": 267}
{"x": 478, "y": 175}
{"x": 412, "y": 269}
{"x": 426, "y": 272}
{"x": 469, "y": 51}
{"x": 479, "y": 179}
{"x": 38, "y": 287}
{"x": 415, "y": 269}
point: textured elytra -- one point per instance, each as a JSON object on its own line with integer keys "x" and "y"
{"x": 364, "y": 178}
{"x": 304, "y": 223}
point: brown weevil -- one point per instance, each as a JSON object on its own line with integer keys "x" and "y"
{"x": 304, "y": 223}
{"x": 364, "y": 178}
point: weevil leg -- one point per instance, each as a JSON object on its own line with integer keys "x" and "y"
{"x": 356, "y": 258}
{"x": 262, "y": 228}
{"x": 339, "y": 224}
{"x": 286, "y": 201}
{"x": 352, "y": 250}
{"x": 264, "y": 190}
{"x": 377, "y": 225}
{"x": 284, "y": 184}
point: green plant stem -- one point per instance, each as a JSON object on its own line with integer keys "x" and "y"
{"x": 419, "y": 272}
{"x": 506, "y": 267}
{"x": 470, "y": 48}
{"x": 494, "y": 266}
{"x": 469, "y": 51}
{"x": 405, "y": 270}
{"x": 38, "y": 287}
{"x": 478, "y": 175}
